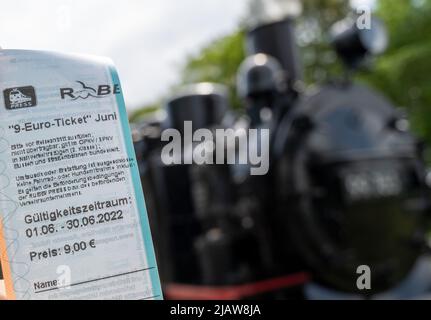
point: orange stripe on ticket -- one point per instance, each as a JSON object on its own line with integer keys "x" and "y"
{"x": 10, "y": 293}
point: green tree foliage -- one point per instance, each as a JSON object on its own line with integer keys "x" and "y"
{"x": 217, "y": 62}
{"x": 403, "y": 73}
{"x": 142, "y": 113}
{"x": 313, "y": 27}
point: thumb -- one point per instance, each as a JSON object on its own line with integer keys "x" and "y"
{"x": 2, "y": 290}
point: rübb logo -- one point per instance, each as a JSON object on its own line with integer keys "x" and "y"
{"x": 83, "y": 91}
{"x": 19, "y": 97}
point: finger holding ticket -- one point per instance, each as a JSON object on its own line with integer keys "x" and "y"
{"x": 2, "y": 291}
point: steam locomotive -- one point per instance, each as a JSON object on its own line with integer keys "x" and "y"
{"x": 346, "y": 185}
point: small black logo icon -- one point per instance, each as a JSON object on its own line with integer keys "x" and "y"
{"x": 86, "y": 91}
{"x": 19, "y": 97}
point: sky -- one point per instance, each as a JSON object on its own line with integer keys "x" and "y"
{"x": 148, "y": 40}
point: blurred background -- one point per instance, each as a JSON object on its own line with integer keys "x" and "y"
{"x": 401, "y": 73}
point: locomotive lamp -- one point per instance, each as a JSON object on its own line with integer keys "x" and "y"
{"x": 354, "y": 43}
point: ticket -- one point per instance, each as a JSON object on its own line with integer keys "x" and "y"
{"x": 73, "y": 222}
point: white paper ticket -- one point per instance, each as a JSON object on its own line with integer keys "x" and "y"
{"x": 73, "y": 223}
